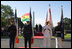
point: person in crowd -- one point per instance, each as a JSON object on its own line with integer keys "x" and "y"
{"x": 12, "y": 33}
{"x": 58, "y": 38}
{"x": 47, "y": 32}
{"x": 27, "y": 32}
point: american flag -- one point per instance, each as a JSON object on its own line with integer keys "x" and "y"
{"x": 62, "y": 24}
{"x": 50, "y": 18}
{"x": 46, "y": 18}
{"x": 16, "y": 23}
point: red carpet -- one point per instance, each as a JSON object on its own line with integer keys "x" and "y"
{"x": 38, "y": 36}
{"x": 28, "y": 47}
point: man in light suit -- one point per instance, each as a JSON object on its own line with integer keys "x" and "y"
{"x": 47, "y": 32}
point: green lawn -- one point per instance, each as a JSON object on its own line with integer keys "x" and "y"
{"x": 67, "y": 36}
{"x": 4, "y": 36}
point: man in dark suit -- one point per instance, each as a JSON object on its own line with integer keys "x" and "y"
{"x": 12, "y": 33}
{"x": 58, "y": 33}
{"x": 27, "y": 32}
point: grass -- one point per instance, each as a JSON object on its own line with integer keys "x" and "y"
{"x": 4, "y": 36}
{"x": 67, "y": 36}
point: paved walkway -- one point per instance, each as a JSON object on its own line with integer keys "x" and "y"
{"x": 37, "y": 43}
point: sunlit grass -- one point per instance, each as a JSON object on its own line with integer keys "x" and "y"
{"x": 67, "y": 36}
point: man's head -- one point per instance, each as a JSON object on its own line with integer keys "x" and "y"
{"x": 47, "y": 23}
{"x": 58, "y": 23}
{"x": 11, "y": 21}
{"x": 28, "y": 22}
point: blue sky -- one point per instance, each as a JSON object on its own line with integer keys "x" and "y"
{"x": 40, "y": 9}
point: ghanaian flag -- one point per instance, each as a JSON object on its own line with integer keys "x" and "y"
{"x": 25, "y": 17}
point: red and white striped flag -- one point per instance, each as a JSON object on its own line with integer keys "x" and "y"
{"x": 50, "y": 18}
{"x": 46, "y": 18}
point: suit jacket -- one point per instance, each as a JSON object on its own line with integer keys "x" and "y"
{"x": 47, "y": 32}
{"x": 57, "y": 31}
{"x": 27, "y": 31}
{"x": 12, "y": 31}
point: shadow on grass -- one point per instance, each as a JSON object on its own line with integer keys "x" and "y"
{"x": 4, "y": 37}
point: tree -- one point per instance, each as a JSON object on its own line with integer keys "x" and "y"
{"x": 6, "y": 15}
{"x": 67, "y": 23}
{"x": 6, "y": 11}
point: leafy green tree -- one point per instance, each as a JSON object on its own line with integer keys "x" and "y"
{"x": 6, "y": 15}
{"x": 6, "y": 11}
{"x": 67, "y": 23}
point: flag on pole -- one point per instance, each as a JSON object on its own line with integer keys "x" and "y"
{"x": 33, "y": 19}
{"x": 16, "y": 23}
{"x": 46, "y": 18}
{"x": 32, "y": 40}
{"x": 62, "y": 23}
{"x": 33, "y": 23}
{"x": 50, "y": 18}
{"x": 30, "y": 18}
{"x": 25, "y": 17}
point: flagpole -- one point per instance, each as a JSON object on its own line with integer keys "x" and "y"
{"x": 16, "y": 23}
{"x": 33, "y": 24}
{"x": 16, "y": 28}
{"x": 46, "y": 17}
{"x": 33, "y": 19}
{"x": 62, "y": 31}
